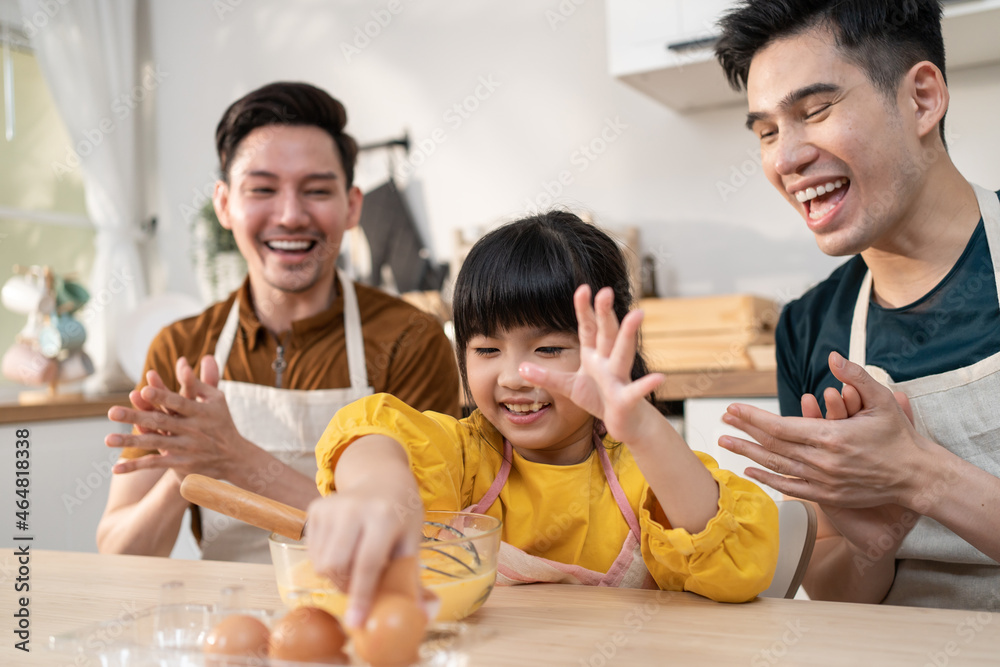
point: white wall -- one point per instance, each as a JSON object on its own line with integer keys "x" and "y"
{"x": 554, "y": 94}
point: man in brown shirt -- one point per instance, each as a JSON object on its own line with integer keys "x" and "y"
{"x": 296, "y": 324}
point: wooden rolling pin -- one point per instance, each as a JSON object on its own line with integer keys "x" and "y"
{"x": 244, "y": 505}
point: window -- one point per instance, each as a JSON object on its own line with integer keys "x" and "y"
{"x": 43, "y": 217}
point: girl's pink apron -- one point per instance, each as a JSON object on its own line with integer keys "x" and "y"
{"x": 517, "y": 567}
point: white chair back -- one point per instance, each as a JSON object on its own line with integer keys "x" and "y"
{"x": 797, "y": 526}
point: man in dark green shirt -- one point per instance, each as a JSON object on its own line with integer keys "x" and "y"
{"x": 848, "y": 99}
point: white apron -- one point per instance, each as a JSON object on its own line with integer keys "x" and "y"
{"x": 287, "y": 423}
{"x": 515, "y": 566}
{"x": 958, "y": 410}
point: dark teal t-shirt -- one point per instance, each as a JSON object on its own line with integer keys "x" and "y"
{"x": 954, "y": 325}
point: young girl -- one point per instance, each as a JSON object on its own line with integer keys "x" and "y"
{"x": 591, "y": 482}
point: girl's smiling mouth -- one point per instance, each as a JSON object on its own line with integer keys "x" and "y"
{"x": 521, "y": 408}
{"x": 524, "y": 413}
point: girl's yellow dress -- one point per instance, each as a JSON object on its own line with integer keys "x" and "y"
{"x": 567, "y": 513}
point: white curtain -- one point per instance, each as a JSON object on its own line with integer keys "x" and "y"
{"x": 87, "y": 52}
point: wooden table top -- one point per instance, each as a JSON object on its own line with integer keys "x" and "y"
{"x": 534, "y": 625}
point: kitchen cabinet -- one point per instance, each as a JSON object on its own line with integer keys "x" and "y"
{"x": 703, "y": 426}
{"x": 664, "y": 49}
{"x": 970, "y": 29}
{"x": 659, "y": 49}
{"x": 705, "y": 396}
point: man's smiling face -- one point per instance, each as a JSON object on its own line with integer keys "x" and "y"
{"x": 831, "y": 142}
{"x": 288, "y": 205}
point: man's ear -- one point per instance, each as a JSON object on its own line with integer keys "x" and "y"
{"x": 220, "y": 200}
{"x": 928, "y": 96}
{"x": 355, "y": 200}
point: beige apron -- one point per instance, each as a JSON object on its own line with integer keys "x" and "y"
{"x": 515, "y": 566}
{"x": 958, "y": 410}
{"x": 287, "y": 423}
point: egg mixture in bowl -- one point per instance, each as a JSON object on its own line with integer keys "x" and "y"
{"x": 458, "y": 562}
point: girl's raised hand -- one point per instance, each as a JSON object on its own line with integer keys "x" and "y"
{"x": 603, "y": 385}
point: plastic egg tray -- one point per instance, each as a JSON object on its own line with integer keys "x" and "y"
{"x": 171, "y": 634}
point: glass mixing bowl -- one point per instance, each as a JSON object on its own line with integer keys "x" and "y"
{"x": 458, "y": 562}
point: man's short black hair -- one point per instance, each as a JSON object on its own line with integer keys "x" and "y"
{"x": 285, "y": 103}
{"x": 885, "y": 38}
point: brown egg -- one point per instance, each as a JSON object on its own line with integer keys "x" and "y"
{"x": 309, "y": 634}
{"x": 393, "y": 632}
{"x": 237, "y": 635}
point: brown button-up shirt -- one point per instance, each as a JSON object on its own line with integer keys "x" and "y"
{"x": 407, "y": 352}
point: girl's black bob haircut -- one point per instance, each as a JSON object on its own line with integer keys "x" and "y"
{"x": 525, "y": 273}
